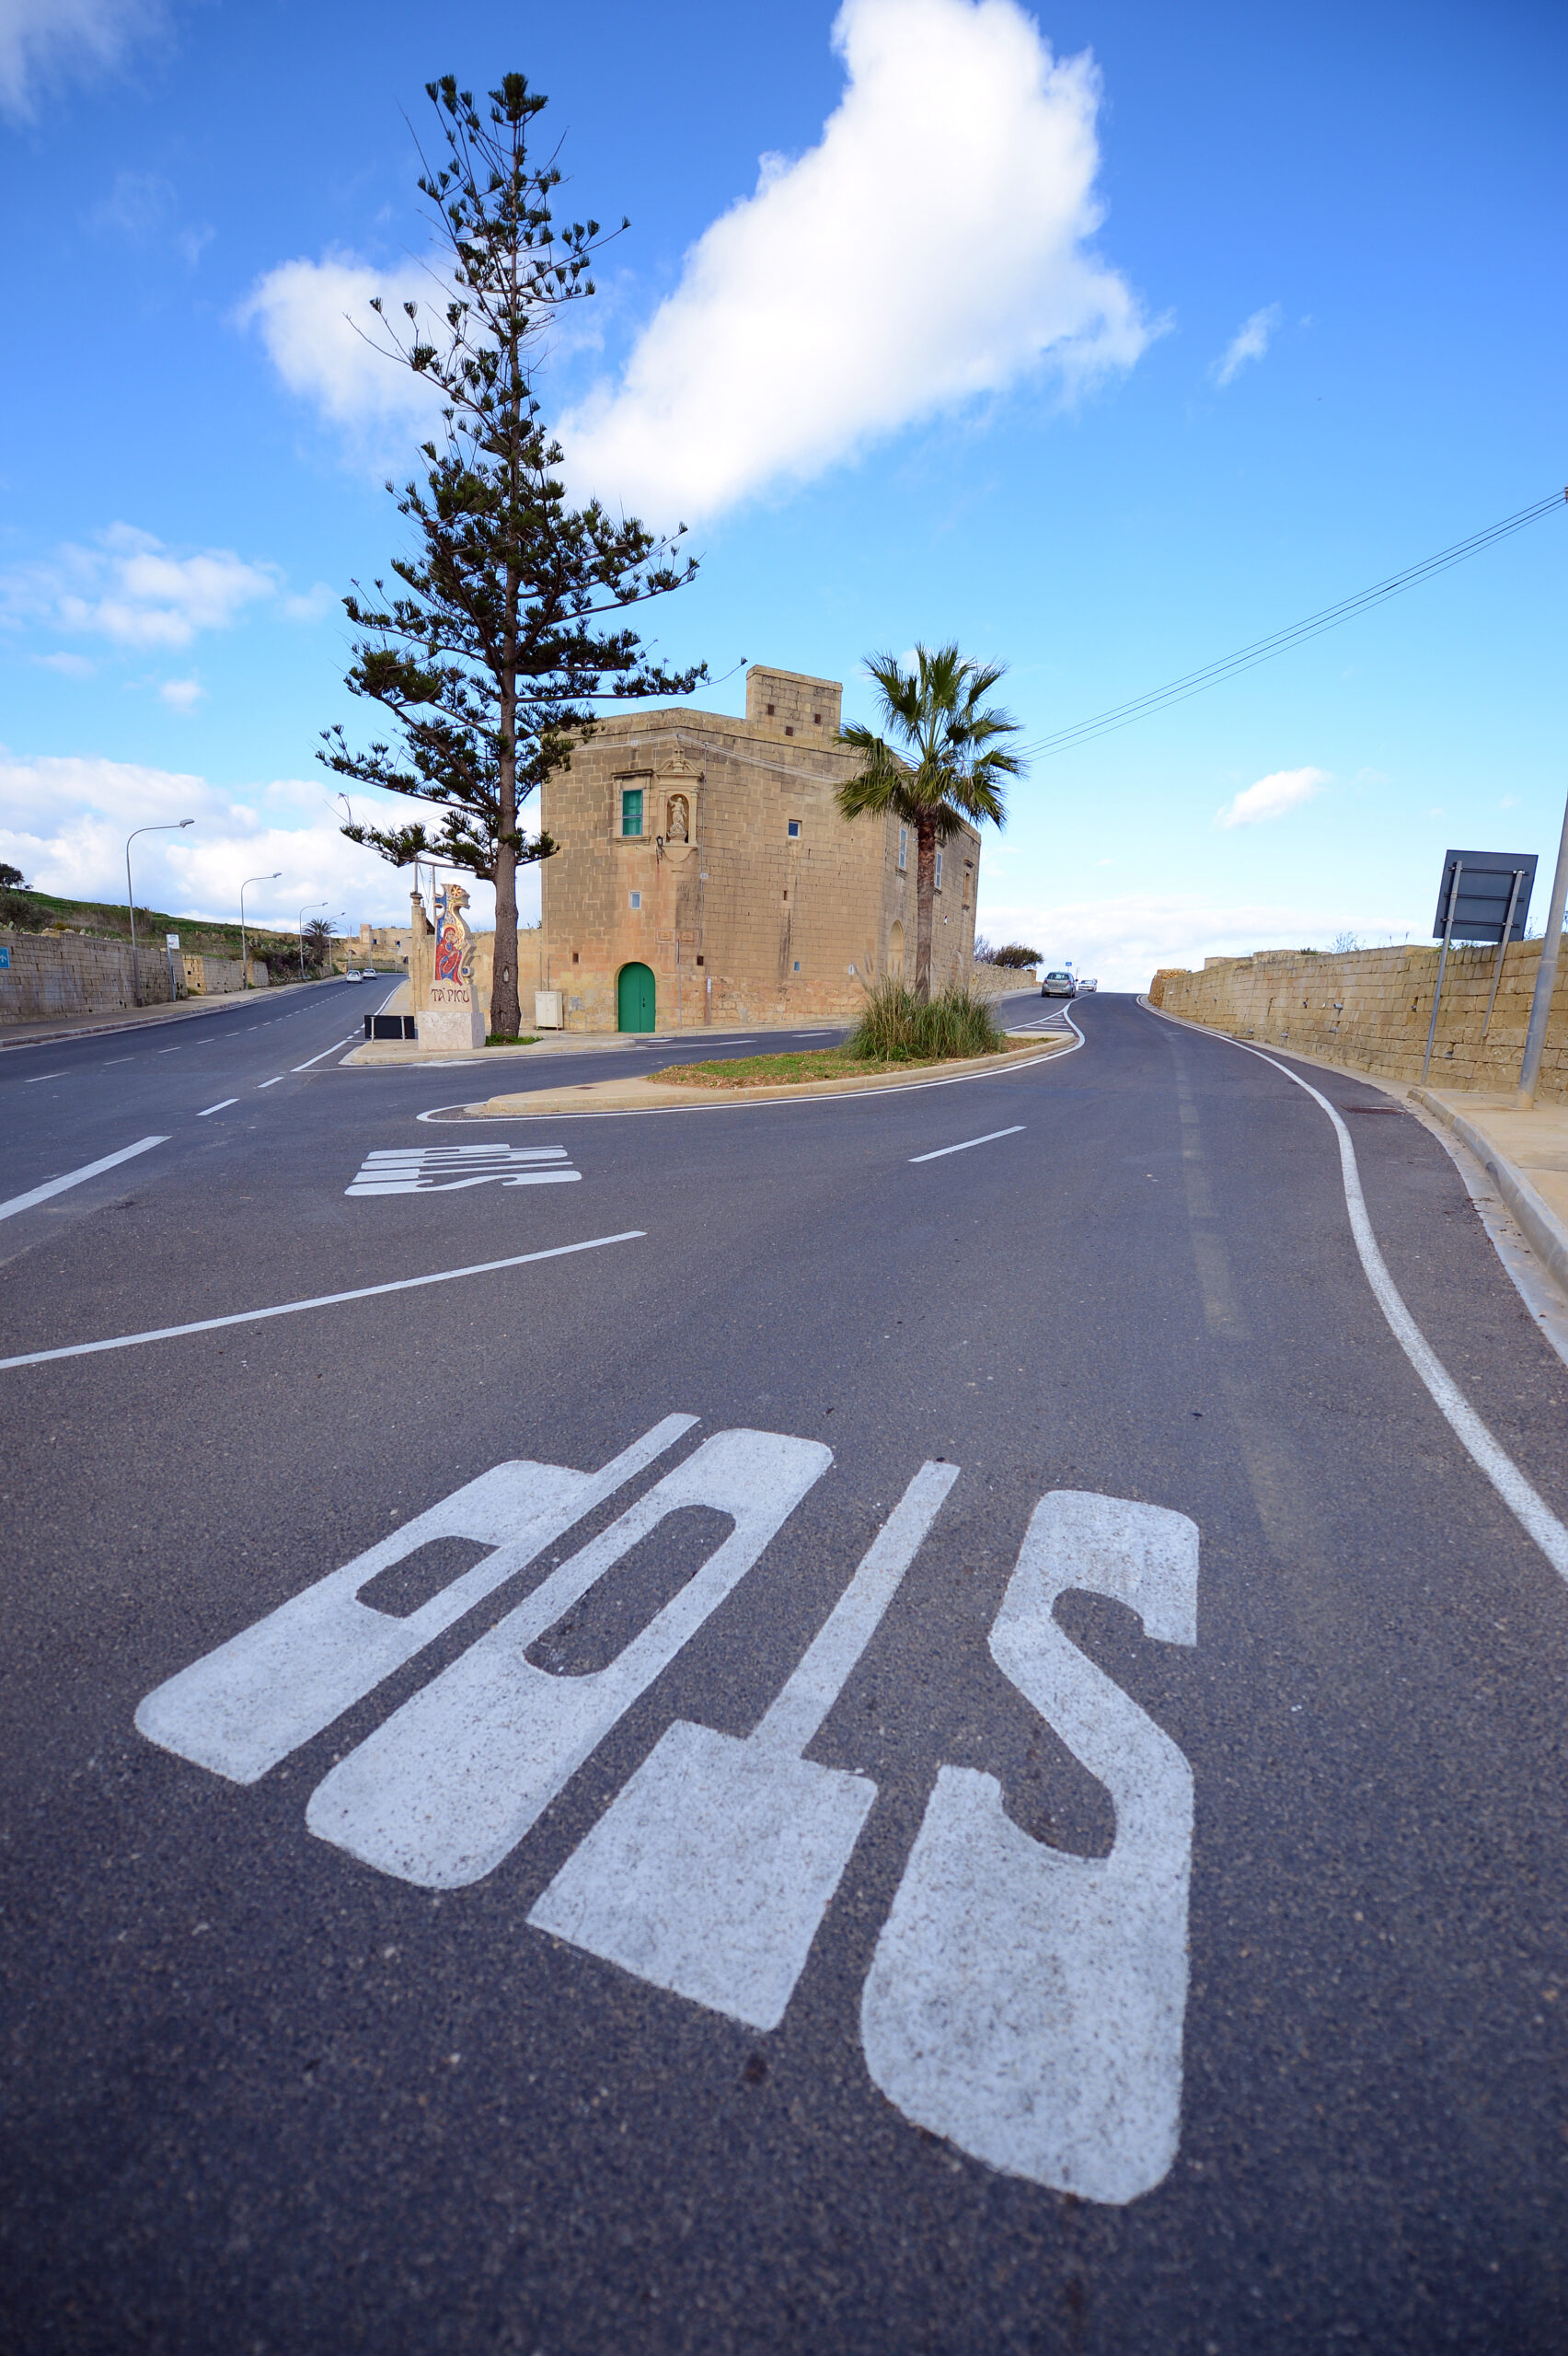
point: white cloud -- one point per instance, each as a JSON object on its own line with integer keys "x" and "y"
{"x": 70, "y": 667}
{"x": 64, "y": 822}
{"x": 929, "y": 248}
{"x": 1250, "y": 342}
{"x": 142, "y": 209}
{"x": 41, "y": 41}
{"x": 182, "y": 695}
{"x": 1271, "y": 796}
{"x": 1122, "y": 940}
{"x": 131, "y": 588}
{"x": 315, "y": 318}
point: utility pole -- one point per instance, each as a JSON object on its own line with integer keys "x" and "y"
{"x": 1546, "y": 978}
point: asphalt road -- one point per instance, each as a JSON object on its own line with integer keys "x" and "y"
{"x": 1195, "y": 1975}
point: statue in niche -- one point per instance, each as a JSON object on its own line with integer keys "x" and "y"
{"x": 677, "y": 823}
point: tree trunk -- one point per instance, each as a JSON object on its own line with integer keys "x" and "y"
{"x": 506, "y": 1017}
{"x": 925, "y": 904}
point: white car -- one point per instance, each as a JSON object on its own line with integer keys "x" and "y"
{"x": 1058, "y": 983}
{"x": 1086, "y": 985}
{"x": 353, "y": 974}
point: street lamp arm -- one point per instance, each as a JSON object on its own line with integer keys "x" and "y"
{"x": 167, "y": 827}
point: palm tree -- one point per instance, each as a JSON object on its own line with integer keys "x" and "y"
{"x": 949, "y": 766}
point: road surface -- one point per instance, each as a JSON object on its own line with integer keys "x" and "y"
{"x": 915, "y": 1748}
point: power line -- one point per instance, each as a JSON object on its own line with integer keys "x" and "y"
{"x": 1263, "y": 650}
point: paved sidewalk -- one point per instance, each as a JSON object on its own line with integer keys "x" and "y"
{"x": 1525, "y": 1153}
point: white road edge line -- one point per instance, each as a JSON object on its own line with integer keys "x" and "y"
{"x": 989, "y": 1139}
{"x": 320, "y": 1300}
{"x": 220, "y": 1106}
{"x": 325, "y": 1053}
{"x": 1527, "y": 1505}
{"x": 74, "y": 1177}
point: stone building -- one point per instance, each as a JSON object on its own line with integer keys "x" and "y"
{"x": 705, "y": 875}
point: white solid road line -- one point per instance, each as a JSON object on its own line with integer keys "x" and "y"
{"x": 1522, "y": 1499}
{"x": 989, "y": 1139}
{"x": 42, "y": 1075}
{"x": 292, "y": 1307}
{"x": 1525, "y": 1502}
{"x": 74, "y": 1177}
{"x": 325, "y": 1051}
{"x": 220, "y": 1106}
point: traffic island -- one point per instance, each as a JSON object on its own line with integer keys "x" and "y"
{"x": 697, "y": 1089}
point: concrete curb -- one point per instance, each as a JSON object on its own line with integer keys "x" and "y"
{"x": 638, "y": 1095}
{"x": 1543, "y": 1231}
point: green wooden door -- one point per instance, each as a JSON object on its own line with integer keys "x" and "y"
{"x": 635, "y": 998}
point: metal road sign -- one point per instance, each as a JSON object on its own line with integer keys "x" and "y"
{"x": 1492, "y": 883}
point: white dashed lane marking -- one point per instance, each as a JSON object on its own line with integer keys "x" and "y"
{"x": 220, "y": 1106}
{"x": 989, "y": 1139}
{"x": 444, "y": 1168}
{"x": 74, "y": 1177}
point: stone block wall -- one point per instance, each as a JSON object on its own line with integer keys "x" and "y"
{"x": 746, "y": 894}
{"x": 67, "y": 973}
{"x": 1369, "y": 1010}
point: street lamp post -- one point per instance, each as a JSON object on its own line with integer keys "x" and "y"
{"x": 244, "y": 960}
{"x": 310, "y": 904}
{"x": 170, "y": 826}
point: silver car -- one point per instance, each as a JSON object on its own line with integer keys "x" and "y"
{"x": 1058, "y": 984}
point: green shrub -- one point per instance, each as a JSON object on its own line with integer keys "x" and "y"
{"x": 894, "y": 1028}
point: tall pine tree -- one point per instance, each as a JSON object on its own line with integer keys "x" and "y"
{"x": 494, "y": 646}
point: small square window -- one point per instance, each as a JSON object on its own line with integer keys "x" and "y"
{"x": 699, "y": 957}
{"x": 816, "y": 720}
{"x": 574, "y": 956}
{"x": 794, "y": 829}
{"x": 796, "y": 964}
{"x": 631, "y": 810}
{"x": 770, "y": 712}
{"x": 788, "y": 732}
{"x": 634, "y": 899}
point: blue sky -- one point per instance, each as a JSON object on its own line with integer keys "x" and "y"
{"x": 1102, "y": 339}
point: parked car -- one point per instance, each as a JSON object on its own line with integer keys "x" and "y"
{"x": 1058, "y": 984}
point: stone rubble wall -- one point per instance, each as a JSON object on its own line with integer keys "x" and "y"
{"x": 1369, "y": 1010}
{"x": 73, "y": 972}
{"x": 216, "y": 977}
{"x": 1001, "y": 981}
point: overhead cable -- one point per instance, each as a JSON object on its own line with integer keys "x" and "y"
{"x": 1263, "y": 650}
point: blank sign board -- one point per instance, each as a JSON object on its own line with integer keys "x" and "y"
{"x": 1480, "y": 906}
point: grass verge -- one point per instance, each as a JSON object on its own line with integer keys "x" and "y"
{"x": 511, "y": 1039}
